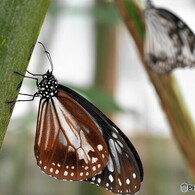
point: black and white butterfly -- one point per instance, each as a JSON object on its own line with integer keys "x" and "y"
{"x": 169, "y": 42}
{"x": 76, "y": 141}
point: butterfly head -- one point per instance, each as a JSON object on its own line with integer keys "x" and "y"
{"x": 47, "y": 87}
{"x": 149, "y": 9}
{"x": 149, "y": 4}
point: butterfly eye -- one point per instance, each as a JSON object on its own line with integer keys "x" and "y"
{"x": 169, "y": 42}
{"x": 45, "y": 76}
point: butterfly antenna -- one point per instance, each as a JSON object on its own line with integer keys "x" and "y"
{"x": 48, "y": 56}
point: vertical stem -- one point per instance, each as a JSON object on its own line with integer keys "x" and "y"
{"x": 166, "y": 87}
{"x": 105, "y": 55}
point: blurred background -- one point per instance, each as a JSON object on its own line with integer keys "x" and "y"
{"x": 94, "y": 54}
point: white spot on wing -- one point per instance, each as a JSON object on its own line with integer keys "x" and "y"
{"x": 87, "y": 173}
{"x": 134, "y": 175}
{"x": 94, "y": 168}
{"x": 110, "y": 177}
{"x": 119, "y": 181}
{"x": 99, "y": 180}
{"x": 72, "y": 174}
{"x": 114, "y": 135}
{"x": 100, "y": 147}
{"x": 65, "y": 173}
{"x": 127, "y": 181}
{"x": 81, "y": 173}
{"x": 94, "y": 160}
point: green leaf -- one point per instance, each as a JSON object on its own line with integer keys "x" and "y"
{"x": 20, "y": 23}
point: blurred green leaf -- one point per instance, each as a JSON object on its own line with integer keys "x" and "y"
{"x": 100, "y": 98}
{"x": 105, "y": 14}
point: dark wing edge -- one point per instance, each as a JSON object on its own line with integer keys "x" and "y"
{"x": 171, "y": 16}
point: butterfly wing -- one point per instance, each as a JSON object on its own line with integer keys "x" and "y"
{"x": 124, "y": 172}
{"x": 169, "y": 42}
{"x": 69, "y": 144}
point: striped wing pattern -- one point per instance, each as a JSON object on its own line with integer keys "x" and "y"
{"x": 124, "y": 172}
{"x": 68, "y": 144}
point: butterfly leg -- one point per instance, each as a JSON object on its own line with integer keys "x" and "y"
{"x": 33, "y": 97}
{"x": 27, "y": 76}
{"x": 14, "y": 101}
{"x": 19, "y": 86}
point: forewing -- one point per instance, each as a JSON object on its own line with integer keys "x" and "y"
{"x": 124, "y": 172}
{"x": 169, "y": 42}
{"x": 69, "y": 144}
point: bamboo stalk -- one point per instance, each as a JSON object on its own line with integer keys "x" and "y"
{"x": 166, "y": 87}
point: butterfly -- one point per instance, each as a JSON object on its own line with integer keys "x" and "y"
{"x": 76, "y": 141}
{"x": 169, "y": 42}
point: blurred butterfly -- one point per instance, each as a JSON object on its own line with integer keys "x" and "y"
{"x": 169, "y": 42}
{"x": 76, "y": 141}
